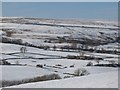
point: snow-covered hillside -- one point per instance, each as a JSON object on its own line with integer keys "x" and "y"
{"x": 103, "y": 80}
{"x": 36, "y": 48}
{"x": 84, "y": 32}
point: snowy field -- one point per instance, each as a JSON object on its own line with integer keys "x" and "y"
{"x": 61, "y": 47}
{"x": 106, "y": 80}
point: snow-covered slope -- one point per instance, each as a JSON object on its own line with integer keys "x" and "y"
{"x": 33, "y": 28}
{"x": 103, "y": 80}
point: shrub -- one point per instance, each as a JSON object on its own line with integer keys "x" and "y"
{"x": 112, "y": 62}
{"x": 46, "y": 47}
{"x": 81, "y": 72}
{"x": 89, "y": 64}
{"x": 71, "y": 66}
{"x": 71, "y": 57}
{"x": 38, "y": 65}
{"x": 58, "y": 65}
{"x": 98, "y": 61}
{"x": 66, "y": 77}
{"x": 51, "y": 77}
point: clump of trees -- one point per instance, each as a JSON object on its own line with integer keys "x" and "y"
{"x": 89, "y": 64}
{"x": 39, "y": 65}
{"x": 36, "y": 79}
{"x": 4, "y": 62}
{"x": 8, "y": 40}
{"x": 111, "y": 63}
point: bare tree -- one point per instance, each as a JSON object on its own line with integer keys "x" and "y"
{"x": 23, "y": 50}
{"x": 81, "y": 72}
